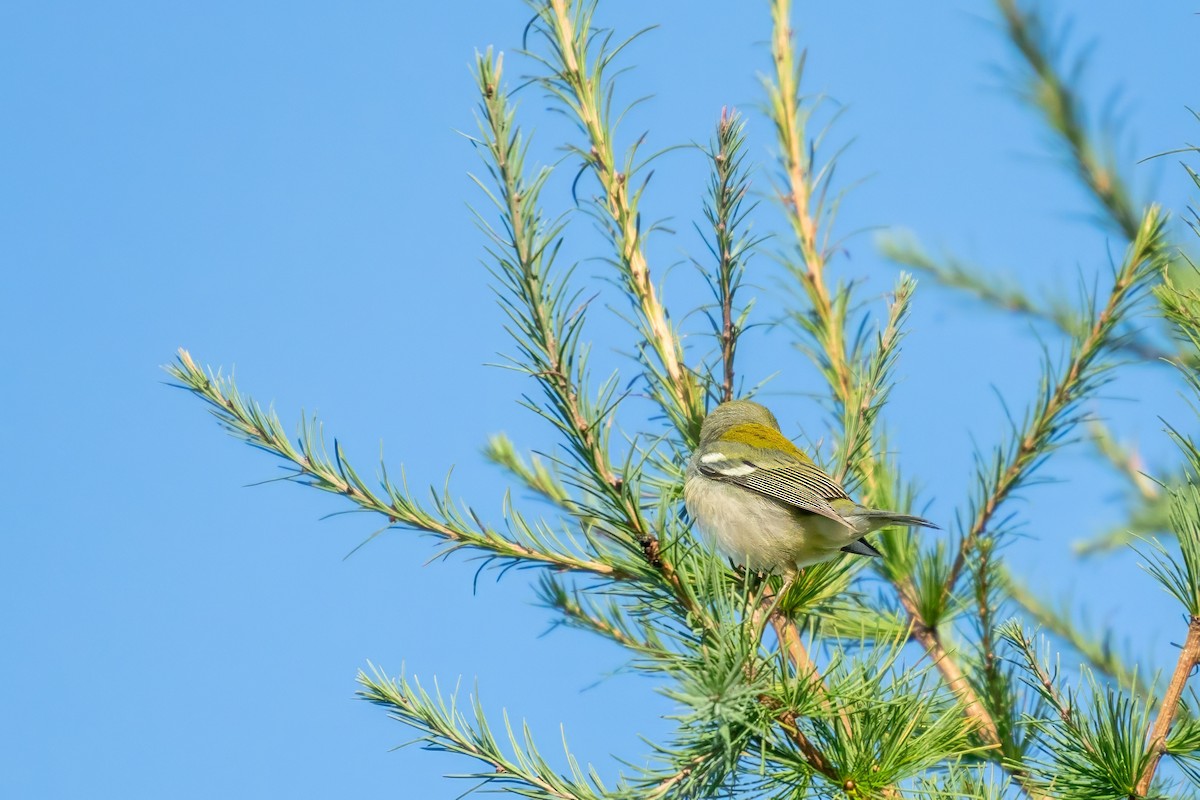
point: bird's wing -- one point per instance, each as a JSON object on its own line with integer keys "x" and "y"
{"x": 800, "y": 484}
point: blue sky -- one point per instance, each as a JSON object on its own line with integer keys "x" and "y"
{"x": 280, "y": 187}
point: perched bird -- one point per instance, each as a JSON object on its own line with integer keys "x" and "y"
{"x": 765, "y": 504}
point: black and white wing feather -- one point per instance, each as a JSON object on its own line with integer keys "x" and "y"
{"x": 798, "y": 484}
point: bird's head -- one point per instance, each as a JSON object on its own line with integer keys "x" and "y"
{"x": 731, "y": 414}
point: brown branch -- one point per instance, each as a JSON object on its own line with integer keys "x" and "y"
{"x": 661, "y": 788}
{"x": 787, "y": 722}
{"x": 789, "y": 640}
{"x": 816, "y": 759}
{"x": 808, "y": 672}
{"x": 814, "y": 756}
{"x": 797, "y": 653}
{"x": 952, "y": 673}
{"x": 957, "y": 682}
{"x": 806, "y": 669}
{"x": 1189, "y": 658}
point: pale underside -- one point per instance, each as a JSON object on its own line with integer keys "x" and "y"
{"x": 761, "y": 534}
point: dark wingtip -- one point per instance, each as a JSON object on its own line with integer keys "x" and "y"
{"x": 862, "y": 547}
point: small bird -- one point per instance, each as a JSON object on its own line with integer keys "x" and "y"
{"x": 765, "y": 504}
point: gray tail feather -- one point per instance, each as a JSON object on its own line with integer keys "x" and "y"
{"x": 894, "y": 518}
{"x": 861, "y": 547}
{"x": 909, "y": 519}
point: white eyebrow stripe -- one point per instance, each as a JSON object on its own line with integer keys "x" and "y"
{"x": 737, "y": 470}
{"x": 709, "y": 458}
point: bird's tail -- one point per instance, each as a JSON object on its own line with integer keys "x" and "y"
{"x": 875, "y": 519}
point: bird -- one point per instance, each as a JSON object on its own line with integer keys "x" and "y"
{"x": 765, "y": 504}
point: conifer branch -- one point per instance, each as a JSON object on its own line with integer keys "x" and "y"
{"x": 578, "y": 80}
{"x": 312, "y": 466}
{"x": 753, "y": 716}
{"x": 730, "y": 248}
{"x": 788, "y": 724}
{"x": 1093, "y": 743}
{"x": 807, "y": 672}
{"x": 827, "y": 326}
{"x": 956, "y": 680}
{"x": 1056, "y": 411}
{"x": 546, "y": 331}
{"x": 665, "y": 786}
{"x": 1049, "y": 92}
{"x": 990, "y": 680}
{"x": 869, "y": 393}
{"x": 797, "y": 654}
{"x": 533, "y": 474}
{"x": 611, "y": 621}
{"x": 976, "y": 282}
{"x": 1126, "y": 460}
{"x": 804, "y": 188}
{"x": 446, "y": 728}
{"x": 1179, "y": 575}
{"x": 1045, "y": 86}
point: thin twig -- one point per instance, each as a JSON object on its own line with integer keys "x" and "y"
{"x": 446, "y": 729}
{"x": 661, "y": 788}
{"x": 973, "y": 281}
{"x": 1127, "y": 461}
{"x": 956, "y": 680}
{"x": 579, "y": 83}
{"x": 807, "y": 672}
{"x": 787, "y": 722}
{"x": 528, "y": 249}
{"x": 1098, "y": 654}
{"x": 729, "y": 186}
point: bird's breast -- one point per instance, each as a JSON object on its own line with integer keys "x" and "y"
{"x": 757, "y": 532}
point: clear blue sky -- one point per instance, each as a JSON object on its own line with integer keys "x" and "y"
{"x": 279, "y": 187}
